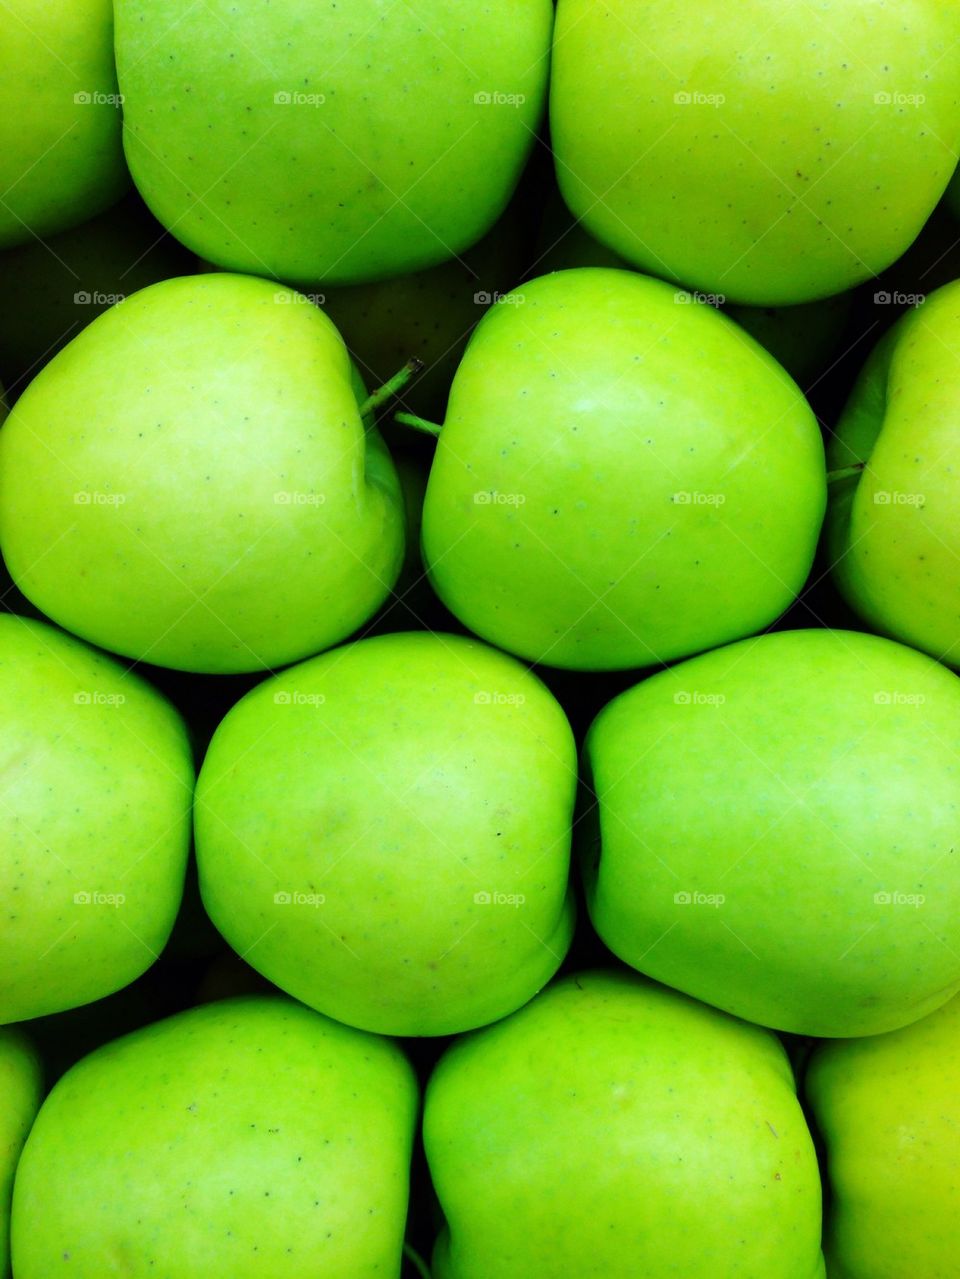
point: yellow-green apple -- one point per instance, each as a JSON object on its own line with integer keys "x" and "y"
{"x": 623, "y": 476}
{"x": 94, "y": 824}
{"x": 61, "y": 158}
{"x": 613, "y": 1128}
{"x": 249, "y": 1137}
{"x": 191, "y": 482}
{"x": 384, "y": 832}
{"x": 332, "y": 142}
{"x": 888, "y": 1109}
{"x": 776, "y": 831}
{"x": 894, "y": 525}
{"x": 772, "y": 152}
{"x": 20, "y": 1092}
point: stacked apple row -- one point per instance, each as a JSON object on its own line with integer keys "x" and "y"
{"x": 384, "y": 832}
{"x": 737, "y": 154}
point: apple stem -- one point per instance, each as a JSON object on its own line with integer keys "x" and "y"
{"x": 416, "y": 1261}
{"x": 845, "y": 472}
{"x": 418, "y": 423}
{"x": 393, "y": 386}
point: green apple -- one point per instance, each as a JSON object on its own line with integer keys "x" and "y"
{"x": 623, "y": 477}
{"x": 774, "y": 153}
{"x": 613, "y": 1128}
{"x": 61, "y": 158}
{"x": 20, "y": 1089}
{"x": 893, "y": 528}
{"x": 52, "y": 288}
{"x": 190, "y": 481}
{"x": 338, "y": 142}
{"x": 775, "y": 831}
{"x": 251, "y": 1137}
{"x": 384, "y": 832}
{"x": 94, "y": 824}
{"x": 888, "y": 1109}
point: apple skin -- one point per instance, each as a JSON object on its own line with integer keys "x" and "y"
{"x": 546, "y": 1132}
{"x": 250, "y": 1137}
{"x": 401, "y": 780}
{"x": 99, "y": 783}
{"x": 256, "y": 519}
{"x": 52, "y": 288}
{"x": 751, "y": 152}
{"x": 61, "y": 160}
{"x": 21, "y": 1087}
{"x": 387, "y": 164}
{"x": 892, "y": 530}
{"x": 811, "y": 779}
{"x": 888, "y": 1110}
{"x": 585, "y": 411}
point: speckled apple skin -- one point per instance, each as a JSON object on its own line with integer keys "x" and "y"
{"x": 21, "y": 1086}
{"x": 812, "y": 780}
{"x": 250, "y": 1137}
{"x": 237, "y": 514}
{"x": 613, "y": 1128}
{"x": 623, "y": 477}
{"x": 61, "y": 160}
{"x": 413, "y": 783}
{"x": 893, "y": 529}
{"x": 771, "y": 152}
{"x": 889, "y": 1112}
{"x": 411, "y": 132}
{"x": 97, "y": 786}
